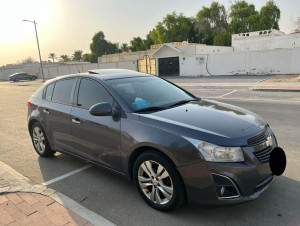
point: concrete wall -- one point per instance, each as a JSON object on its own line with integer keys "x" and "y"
{"x": 265, "y": 42}
{"x": 191, "y": 66}
{"x": 282, "y": 61}
{"x": 51, "y": 71}
{"x": 132, "y": 56}
{"x": 130, "y": 65}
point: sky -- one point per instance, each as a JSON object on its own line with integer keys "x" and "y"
{"x": 68, "y": 25}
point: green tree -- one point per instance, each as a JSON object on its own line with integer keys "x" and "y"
{"x": 148, "y": 41}
{"x": 174, "y": 28}
{"x": 124, "y": 47}
{"x": 210, "y": 22}
{"x": 77, "y": 55}
{"x": 100, "y": 46}
{"x": 86, "y": 57}
{"x": 52, "y": 56}
{"x": 93, "y": 58}
{"x": 65, "y": 58}
{"x": 223, "y": 39}
{"x": 269, "y": 16}
{"x": 244, "y": 17}
{"x": 137, "y": 44}
{"x": 28, "y": 60}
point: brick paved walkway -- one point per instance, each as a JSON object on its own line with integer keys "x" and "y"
{"x": 35, "y": 209}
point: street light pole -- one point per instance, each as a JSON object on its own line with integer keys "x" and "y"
{"x": 37, "y": 40}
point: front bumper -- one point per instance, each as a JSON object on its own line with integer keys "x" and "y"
{"x": 250, "y": 180}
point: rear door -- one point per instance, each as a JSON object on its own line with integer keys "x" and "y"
{"x": 95, "y": 137}
{"x": 56, "y": 109}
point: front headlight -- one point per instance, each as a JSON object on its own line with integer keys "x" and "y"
{"x": 215, "y": 153}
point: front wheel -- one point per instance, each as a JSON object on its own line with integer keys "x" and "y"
{"x": 40, "y": 141}
{"x": 158, "y": 182}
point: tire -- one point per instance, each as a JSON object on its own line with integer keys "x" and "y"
{"x": 40, "y": 141}
{"x": 16, "y": 80}
{"x": 164, "y": 189}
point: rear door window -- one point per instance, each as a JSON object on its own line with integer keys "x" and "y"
{"x": 49, "y": 91}
{"x": 62, "y": 91}
{"x": 91, "y": 93}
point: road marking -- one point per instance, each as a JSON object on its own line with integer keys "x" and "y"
{"x": 228, "y": 93}
{"x": 261, "y": 100}
{"x": 66, "y": 175}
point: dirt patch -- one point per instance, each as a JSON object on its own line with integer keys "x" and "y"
{"x": 284, "y": 78}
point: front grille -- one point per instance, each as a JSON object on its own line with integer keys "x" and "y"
{"x": 263, "y": 156}
{"x": 258, "y": 139}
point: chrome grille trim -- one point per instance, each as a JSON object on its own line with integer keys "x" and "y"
{"x": 260, "y": 138}
{"x": 263, "y": 156}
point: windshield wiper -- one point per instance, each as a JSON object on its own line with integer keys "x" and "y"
{"x": 181, "y": 102}
{"x": 151, "y": 109}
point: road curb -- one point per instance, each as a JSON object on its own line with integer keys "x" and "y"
{"x": 21, "y": 184}
{"x": 275, "y": 89}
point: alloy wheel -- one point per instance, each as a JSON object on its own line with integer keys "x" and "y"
{"x": 155, "y": 182}
{"x": 38, "y": 139}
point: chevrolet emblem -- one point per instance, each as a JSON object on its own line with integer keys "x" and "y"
{"x": 269, "y": 141}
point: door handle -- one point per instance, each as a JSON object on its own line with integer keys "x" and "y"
{"x": 46, "y": 111}
{"x": 76, "y": 120}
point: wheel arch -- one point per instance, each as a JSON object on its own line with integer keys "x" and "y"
{"x": 31, "y": 122}
{"x": 140, "y": 150}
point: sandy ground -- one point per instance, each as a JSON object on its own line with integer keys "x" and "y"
{"x": 284, "y": 78}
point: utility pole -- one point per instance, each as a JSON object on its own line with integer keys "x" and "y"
{"x": 37, "y": 40}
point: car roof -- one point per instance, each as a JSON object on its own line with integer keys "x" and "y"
{"x": 18, "y": 73}
{"x": 107, "y": 74}
{"x": 104, "y": 74}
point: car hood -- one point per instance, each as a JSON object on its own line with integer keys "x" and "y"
{"x": 209, "y": 121}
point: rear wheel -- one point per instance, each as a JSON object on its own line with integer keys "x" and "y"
{"x": 40, "y": 141}
{"x": 158, "y": 182}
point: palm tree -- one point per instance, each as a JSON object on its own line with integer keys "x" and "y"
{"x": 65, "y": 58}
{"x": 52, "y": 56}
{"x": 77, "y": 55}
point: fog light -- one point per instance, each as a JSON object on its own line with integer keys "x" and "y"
{"x": 225, "y": 187}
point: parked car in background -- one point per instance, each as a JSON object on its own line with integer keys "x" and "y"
{"x": 173, "y": 145}
{"x": 21, "y": 76}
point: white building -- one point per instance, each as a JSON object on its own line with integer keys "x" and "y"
{"x": 261, "y": 52}
{"x": 264, "y": 40}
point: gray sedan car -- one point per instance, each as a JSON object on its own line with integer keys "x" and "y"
{"x": 21, "y": 76}
{"x": 173, "y": 145}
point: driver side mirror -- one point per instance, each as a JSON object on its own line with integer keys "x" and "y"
{"x": 101, "y": 109}
{"x": 104, "y": 109}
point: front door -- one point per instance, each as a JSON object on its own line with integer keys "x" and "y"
{"x": 97, "y": 138}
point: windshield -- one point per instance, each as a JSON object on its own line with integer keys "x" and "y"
{"x": 148, "y": 92}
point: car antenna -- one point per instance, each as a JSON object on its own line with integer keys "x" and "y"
{"x": 77, "y": 67}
